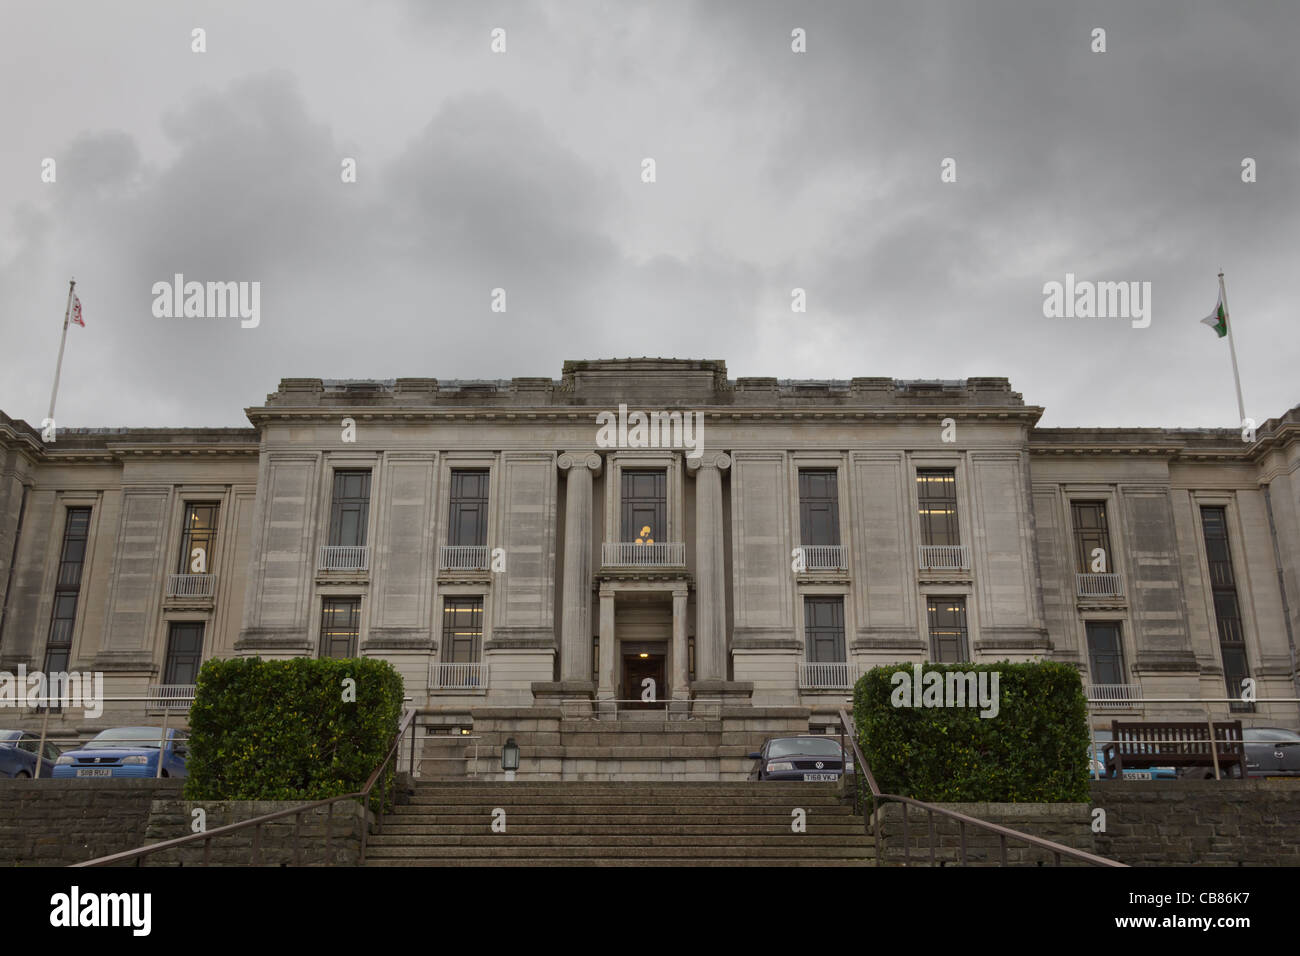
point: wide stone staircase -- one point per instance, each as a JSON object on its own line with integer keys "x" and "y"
{"x": 621, "y": 823}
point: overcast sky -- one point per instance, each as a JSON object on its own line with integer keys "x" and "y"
{"x": 775, "y": 170}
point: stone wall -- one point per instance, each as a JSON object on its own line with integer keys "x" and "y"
{"x": 173, "y": 818}
{"x": 59, "y": 822}
{"x": 1064, "y": 823}
{"x": 1206, "y": 822}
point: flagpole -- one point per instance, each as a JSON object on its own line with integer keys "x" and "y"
{"x": 67, "y": 314}
{"x": 1232, "y": 350}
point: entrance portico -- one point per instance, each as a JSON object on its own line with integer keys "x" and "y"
{"x": 643, "y": 633}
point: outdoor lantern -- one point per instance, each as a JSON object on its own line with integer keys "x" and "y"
{"x": 510, "y": 758}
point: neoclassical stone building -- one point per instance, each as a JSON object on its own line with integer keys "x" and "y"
{"x": 649, "y": 527}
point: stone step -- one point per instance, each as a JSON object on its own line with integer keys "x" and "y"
{"x": 485, "y": 804}
{"x": 650, "y": 841}
{"x": 709, "y": 789}
{"x": 631, "y": 826}
{"x": 639, "y": 862}
{"x": 647, "y": 853}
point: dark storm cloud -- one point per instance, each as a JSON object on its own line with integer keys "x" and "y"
{"x": 776, "y": 171}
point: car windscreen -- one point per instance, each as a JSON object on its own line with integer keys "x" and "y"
{"x": 816, "y": 746}
{"x": 1270, "y": 733}
{"x": 125, "y": 738}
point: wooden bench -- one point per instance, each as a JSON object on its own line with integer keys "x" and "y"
{"x": 1175, "y": 744}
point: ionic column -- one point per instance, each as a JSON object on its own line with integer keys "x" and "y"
{"x": 710, "y": 592}
{"x": 575, "y": 611}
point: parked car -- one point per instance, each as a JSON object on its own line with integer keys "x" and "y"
{"x": 125, "y": 752}
{"x": 1098, "y": 767}
{"x": 799, "y": 758}
{"x": 18, "y": 754}
{"x": 1272, "y": 752}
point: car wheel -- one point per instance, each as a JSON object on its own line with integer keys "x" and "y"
{"x": 23, "y": 773}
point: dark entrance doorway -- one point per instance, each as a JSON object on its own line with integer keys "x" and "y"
{"x": 636, "y": 668}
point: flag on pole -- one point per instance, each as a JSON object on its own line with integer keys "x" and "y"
{"x": 76, "y": 311}
{"x": 1218, "y": 319}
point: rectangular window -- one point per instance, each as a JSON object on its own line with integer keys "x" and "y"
{"x": 936, "y": 496}
{"x": 1091, "y": 534}
{"x": 823, "y": 629}
{"x": 819, "y": 508}
{"x": 197, "y": 539}
{"x": 351, "y": 508}
{"x": 645, "y": 506}
{"x": 184, "y": 652}
{"x": 467, "y": 525}
{"x": 948, "y": 639}
{"x": 76, "y": 531}
{"x": 462, "y": 630}
{"x": 1105, "y": 653}
{"x": 1227, "y": 612}
{"x": 340, "y": 627}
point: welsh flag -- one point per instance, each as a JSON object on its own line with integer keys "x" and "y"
{"x": 76, "y": 311}
{"x": 1218, "y": 319}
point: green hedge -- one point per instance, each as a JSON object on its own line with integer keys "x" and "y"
{"x": 281, "y": 730}
{"x": 1034, "y": 750}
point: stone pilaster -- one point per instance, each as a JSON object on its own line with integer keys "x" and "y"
{"x": 608, "y": 648}
{"x": 575, "y": 620}
{"x": 680, "y": 679}
{"x": 710, "y": 606}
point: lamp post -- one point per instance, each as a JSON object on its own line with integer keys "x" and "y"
{"x": 510, "y": 758}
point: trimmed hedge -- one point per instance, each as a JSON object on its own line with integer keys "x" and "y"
{"x": 1034, "y": 750}
{"x": 281, "y": 730}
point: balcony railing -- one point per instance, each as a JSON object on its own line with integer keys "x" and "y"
{"x": 827, "y": 676}
{"x": 622, "y": 554}
{"x": 1113, "y": 696}
{"x": 824, "y": 557}
{"x": 1099, "y": 585}
{"x": 170, "y": 696}
{"x": 943, "y": 557}
{"x": 335, "y": 557}
{"x": 457, "y": 676}
{"x": 463, "y": 557}
{"x": 191, "y": 585}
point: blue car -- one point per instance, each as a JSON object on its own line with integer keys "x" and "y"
{"x": 125, "y": 752}
{"x": 18, "y": 754}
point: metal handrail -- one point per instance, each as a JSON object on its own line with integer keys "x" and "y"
{"x": 407, "y": 721}
{"x": 1058, "y": 850}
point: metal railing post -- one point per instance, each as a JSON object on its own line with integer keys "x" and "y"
{"x": 930, "y": 817}
{"x": 907, "y": 844}
{"x": 162, "y": 743}
{"x": 257, "y": 844}
{"x": 1214, "y": 747}
{"x": 297, "y": 838}
{"x": 45, "y": 723}
{"x": 329, "y": 832}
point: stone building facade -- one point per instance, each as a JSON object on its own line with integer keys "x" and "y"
{"x": 649, "y": 527}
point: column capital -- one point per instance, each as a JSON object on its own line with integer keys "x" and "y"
{"x": 719, "y": 460}
{"x": 572, "y": 459}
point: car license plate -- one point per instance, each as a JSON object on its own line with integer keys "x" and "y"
{"x": 821, "y": 777}
{"x": 94, "y": 772}
{"x": 1137, "y": 775}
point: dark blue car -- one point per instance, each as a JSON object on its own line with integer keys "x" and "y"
{"x": 817, "y": 759}
{"x": 125, "y": 752}
{"x": 18, "y": 754}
